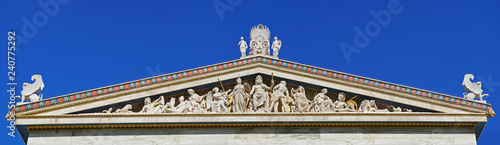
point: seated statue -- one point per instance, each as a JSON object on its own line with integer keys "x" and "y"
{"x": 260, "y": 95}
{"x": 219, "y": 102}
{"x": 341, "y": 106}
{"x": 322, "y": 103}
{"x": 300, "y": 102}
{"x": 153, "y": 107}
{"x": 194, "y": 103}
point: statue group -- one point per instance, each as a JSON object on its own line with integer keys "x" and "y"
{"x": 259, "y": 42}
{"x": 259, "y": 98}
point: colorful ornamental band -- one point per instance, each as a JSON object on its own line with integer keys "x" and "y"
{"x": 240, "y": 62}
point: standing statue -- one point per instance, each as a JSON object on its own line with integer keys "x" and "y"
{"x": 300, "y": 103}
{"x": 30, "y": 91}
{"x": 240, "y": 97}
{"x": 341, "y": 106}
{"x": 472, "y": 89}
{"x": 279, "y": 92}
{"x": 322, "y": 103}
{"x": 243, "y": 47}
{"x": 260, "y": 98}
{"x": 219, "y": 102}
{"x": 276, "y": 46}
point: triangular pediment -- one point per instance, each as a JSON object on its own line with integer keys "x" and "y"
{"x": 85, "y": 109}
{"x": 295, "y": 74}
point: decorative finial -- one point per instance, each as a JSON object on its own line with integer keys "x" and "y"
{"x": 31, "y": 91}
{"x": 472, "y": 89}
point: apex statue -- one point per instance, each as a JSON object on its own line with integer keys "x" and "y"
{"x": 259, "y": 43}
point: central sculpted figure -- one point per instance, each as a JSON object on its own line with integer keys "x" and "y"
{"x": 260, "y": 98}
{"x": 280, "y": 94}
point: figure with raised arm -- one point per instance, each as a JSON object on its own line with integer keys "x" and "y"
{"x": 281, "y": 95}
{"x": 219, "y": 102}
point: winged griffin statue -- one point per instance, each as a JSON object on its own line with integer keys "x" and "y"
{"x": 31, "y": 91}
{"x": 472, "y": 89}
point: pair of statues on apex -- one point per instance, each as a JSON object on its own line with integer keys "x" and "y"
{"x": 276, "y": 47}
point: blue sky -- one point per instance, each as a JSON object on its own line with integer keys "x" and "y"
{"x": 89, "y": 44}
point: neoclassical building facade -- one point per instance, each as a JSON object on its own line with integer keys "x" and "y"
{"x": 256, "y": 99}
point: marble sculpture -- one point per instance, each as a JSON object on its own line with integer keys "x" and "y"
{"x": 259, "y": 98}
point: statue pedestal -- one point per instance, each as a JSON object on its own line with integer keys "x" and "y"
{"x": 251, "y": 56}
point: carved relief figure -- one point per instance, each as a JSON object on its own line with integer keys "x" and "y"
{"x": 370, "y": 106}
{"x": 153, "y": 107}
{"x": 322, "y": 103}
{"x": 472, "y": 89}
{"x": 31, "y": 91}
{"x": 280, "y": 96}
{"x": 181, "y": 108}
{"x": 243, "y": 47}
{"x": 341, "y": 106}
{"x": 300, "y": 102}
{"x": 219, "y": 102}
{"x": 276, "y": 46}
{"x": 125, "y": 110}
{"x": 260, "y": 98}
{"x": 194, "y": 103}
{"x": 240, "y": 97}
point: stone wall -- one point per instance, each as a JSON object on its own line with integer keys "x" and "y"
{"x": 256, "y": 135}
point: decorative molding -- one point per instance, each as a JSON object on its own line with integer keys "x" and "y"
{"x": 103, "y": 115}
{"x": 472, "y": 125}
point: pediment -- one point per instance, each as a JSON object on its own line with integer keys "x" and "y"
{"x": 295, "y": 74}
